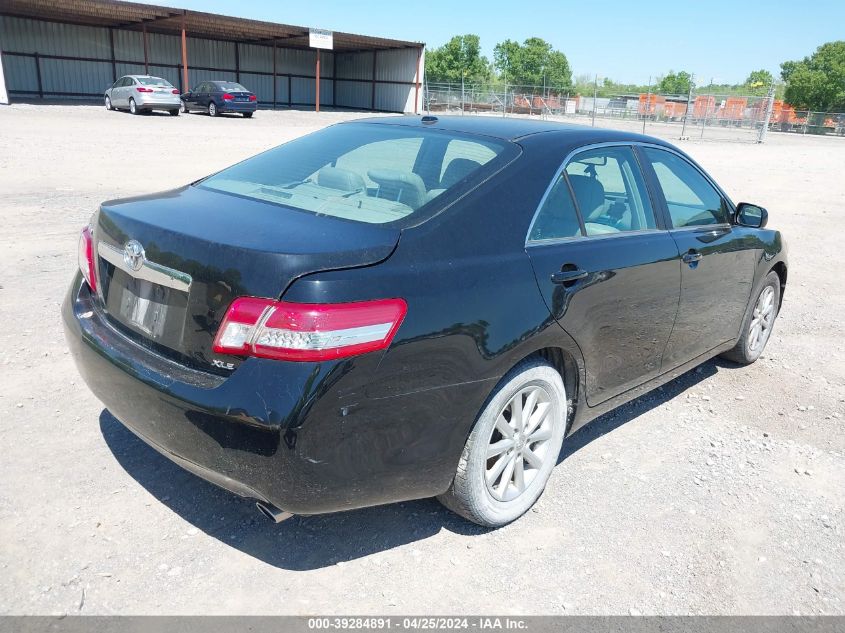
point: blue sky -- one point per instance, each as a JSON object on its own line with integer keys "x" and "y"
{"x": 624, "y": 40}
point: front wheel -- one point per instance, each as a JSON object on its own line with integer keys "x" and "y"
{"x": 133, "y": 107}
{"x": 109, "y": 106}
{"x": 758, "y": 323}
{"x": 174, "y": 112}
{"x": 184, "y": 108}
{"x": 248, "y": 115}
{"x": 512, "y": 448}
{"x": 212, "y": 109}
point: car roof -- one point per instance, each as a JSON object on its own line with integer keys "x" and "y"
{"x": 510, "y": 128}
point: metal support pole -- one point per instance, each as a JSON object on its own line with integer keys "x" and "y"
{"x": 146, "y": 51}
{"x": 317, "y": 109}
{"x": 595, "y": 96}
{"x": 373, "y": 82}
{"x": 417, "y": 82}
{"x": 686, "y": 112}
{"x": 185, "y": 84}
{"x": 334, "y": 79}
{"x": 274, "y": 75}
{"x": 770, "y": 103}
{"x": 647, "y": 103}
{"x": 463, "y": 97}
{"x": 111, "y": 48}
{"x": 237, "y": 63}
{"x": 38, "y": 76}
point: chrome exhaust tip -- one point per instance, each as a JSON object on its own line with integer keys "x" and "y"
{"x": 272, "y": 512}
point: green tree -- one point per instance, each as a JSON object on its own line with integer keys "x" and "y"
{"x": 675, "y": 83}
{"x": 532, "y": 63}
{"x": 458, "y": 58}
{"x": 817, "y": 82}
{"x": 759, "y": 81}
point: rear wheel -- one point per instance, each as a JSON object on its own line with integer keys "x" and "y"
{"x": 212, "y": 109}
{"x": 133, "y": 107}
{"x": 174, "y": 112}
{"x": 248, "y": 115}
{"x": 758, "y": 323}
{"x": 512, "y": 448}
{"x": 108, "y": 103}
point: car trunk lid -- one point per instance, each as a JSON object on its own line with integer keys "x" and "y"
{"x": 170, "y": 264}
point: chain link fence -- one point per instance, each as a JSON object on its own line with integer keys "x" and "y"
{"x": 697, "y": 115}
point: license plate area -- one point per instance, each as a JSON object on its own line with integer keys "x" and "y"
{"x": 156, "y": 311}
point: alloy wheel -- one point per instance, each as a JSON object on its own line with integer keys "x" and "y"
{"x": 762, "y": 320}
{"x": 519, "y": 443}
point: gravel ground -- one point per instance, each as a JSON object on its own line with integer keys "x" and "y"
{"x": 721, "y": 493}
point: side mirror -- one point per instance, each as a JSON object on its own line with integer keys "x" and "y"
{"x": 751, "y": 215}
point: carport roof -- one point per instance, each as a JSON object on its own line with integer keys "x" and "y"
{"x": 160, "y": 19}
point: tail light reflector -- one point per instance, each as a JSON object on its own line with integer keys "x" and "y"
{"x": 308, "y": 331}
{"x": 142, "y": 89}
{"x": 174, "y": 91}
{"x": 253, "y": 98}
{"x": 86, "y": 258}
{"x": 227, "y": 97}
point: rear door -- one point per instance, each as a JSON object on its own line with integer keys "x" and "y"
{"x": 717, "y": 258}
{"x": 607, "y": 268}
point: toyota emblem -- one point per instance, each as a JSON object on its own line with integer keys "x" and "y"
{"x": 133, "y": 255}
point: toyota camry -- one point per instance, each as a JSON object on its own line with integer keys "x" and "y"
{"x": 410, "y": 307}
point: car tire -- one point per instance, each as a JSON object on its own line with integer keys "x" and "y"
{"x": 133, "y": 107}
{"x": 109, "y": 106}
{"x": 212, "y": 109}
{"x": 174, "y": 112}
{"x": 758, "y": 322}
{"x": 184, "y": 108}
{"x": 248, "y": 115}
{"x": 497, "y": 481}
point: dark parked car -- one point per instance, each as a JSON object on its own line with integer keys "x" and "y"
{"x": 402, "y": 308}
{"x": 219, "y": 97}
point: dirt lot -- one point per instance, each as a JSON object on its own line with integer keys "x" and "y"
{"x": 723, "y": 492}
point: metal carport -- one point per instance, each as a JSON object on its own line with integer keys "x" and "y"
{"x": 75, "y": 49}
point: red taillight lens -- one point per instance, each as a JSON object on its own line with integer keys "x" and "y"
{"x": 308, "y": 331}
{"x": 253, "y": 98}
{"x": 227, "y": 97}
{"x": 174, "y": 91}
{"x": 86, "y": 258}
{"x": 142, "y": 89}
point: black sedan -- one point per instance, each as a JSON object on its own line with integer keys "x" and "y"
{"x": 404, "y": 307}
{"x": 220, "y": 97}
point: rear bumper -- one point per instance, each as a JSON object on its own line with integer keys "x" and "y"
{"x": 232, "y": 106}
{"x": 297, "y": 435}
{"x": 146, "y": 103}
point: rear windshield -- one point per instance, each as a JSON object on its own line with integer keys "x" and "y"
{"x": 154, "y": 81}
{"x": 230, "y": 85}
{"x": 364, "y": 172}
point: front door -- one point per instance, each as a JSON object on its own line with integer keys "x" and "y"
{"x": 717, "y": 259}
{"x": 607, "y": 268}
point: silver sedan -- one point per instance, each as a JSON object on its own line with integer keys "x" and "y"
{"x": 140, "y": 93}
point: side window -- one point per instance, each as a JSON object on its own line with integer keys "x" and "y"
{"x": 691, "y": 199}
{"x": 610, "y": 191}
{"x": 128, "y": 82}
{"x": 557, "y": 217}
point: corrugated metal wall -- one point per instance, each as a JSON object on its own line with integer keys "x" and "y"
{"x": 32, "y": 64}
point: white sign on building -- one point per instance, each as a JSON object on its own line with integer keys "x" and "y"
{"x": 320, "y": 38}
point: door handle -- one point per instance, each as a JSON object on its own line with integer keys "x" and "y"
{"x": 691, "y": 257}
{"x": 568, "y": 276}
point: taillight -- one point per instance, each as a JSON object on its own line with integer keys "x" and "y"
{"x": 227, "y": 97}
{"x": 86, "y": 258}
{"x": 142, "y": 89}
{"x": 174, "y": 91}
{"x": 308, "y": 331}
{"x": 253, "y": 98}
